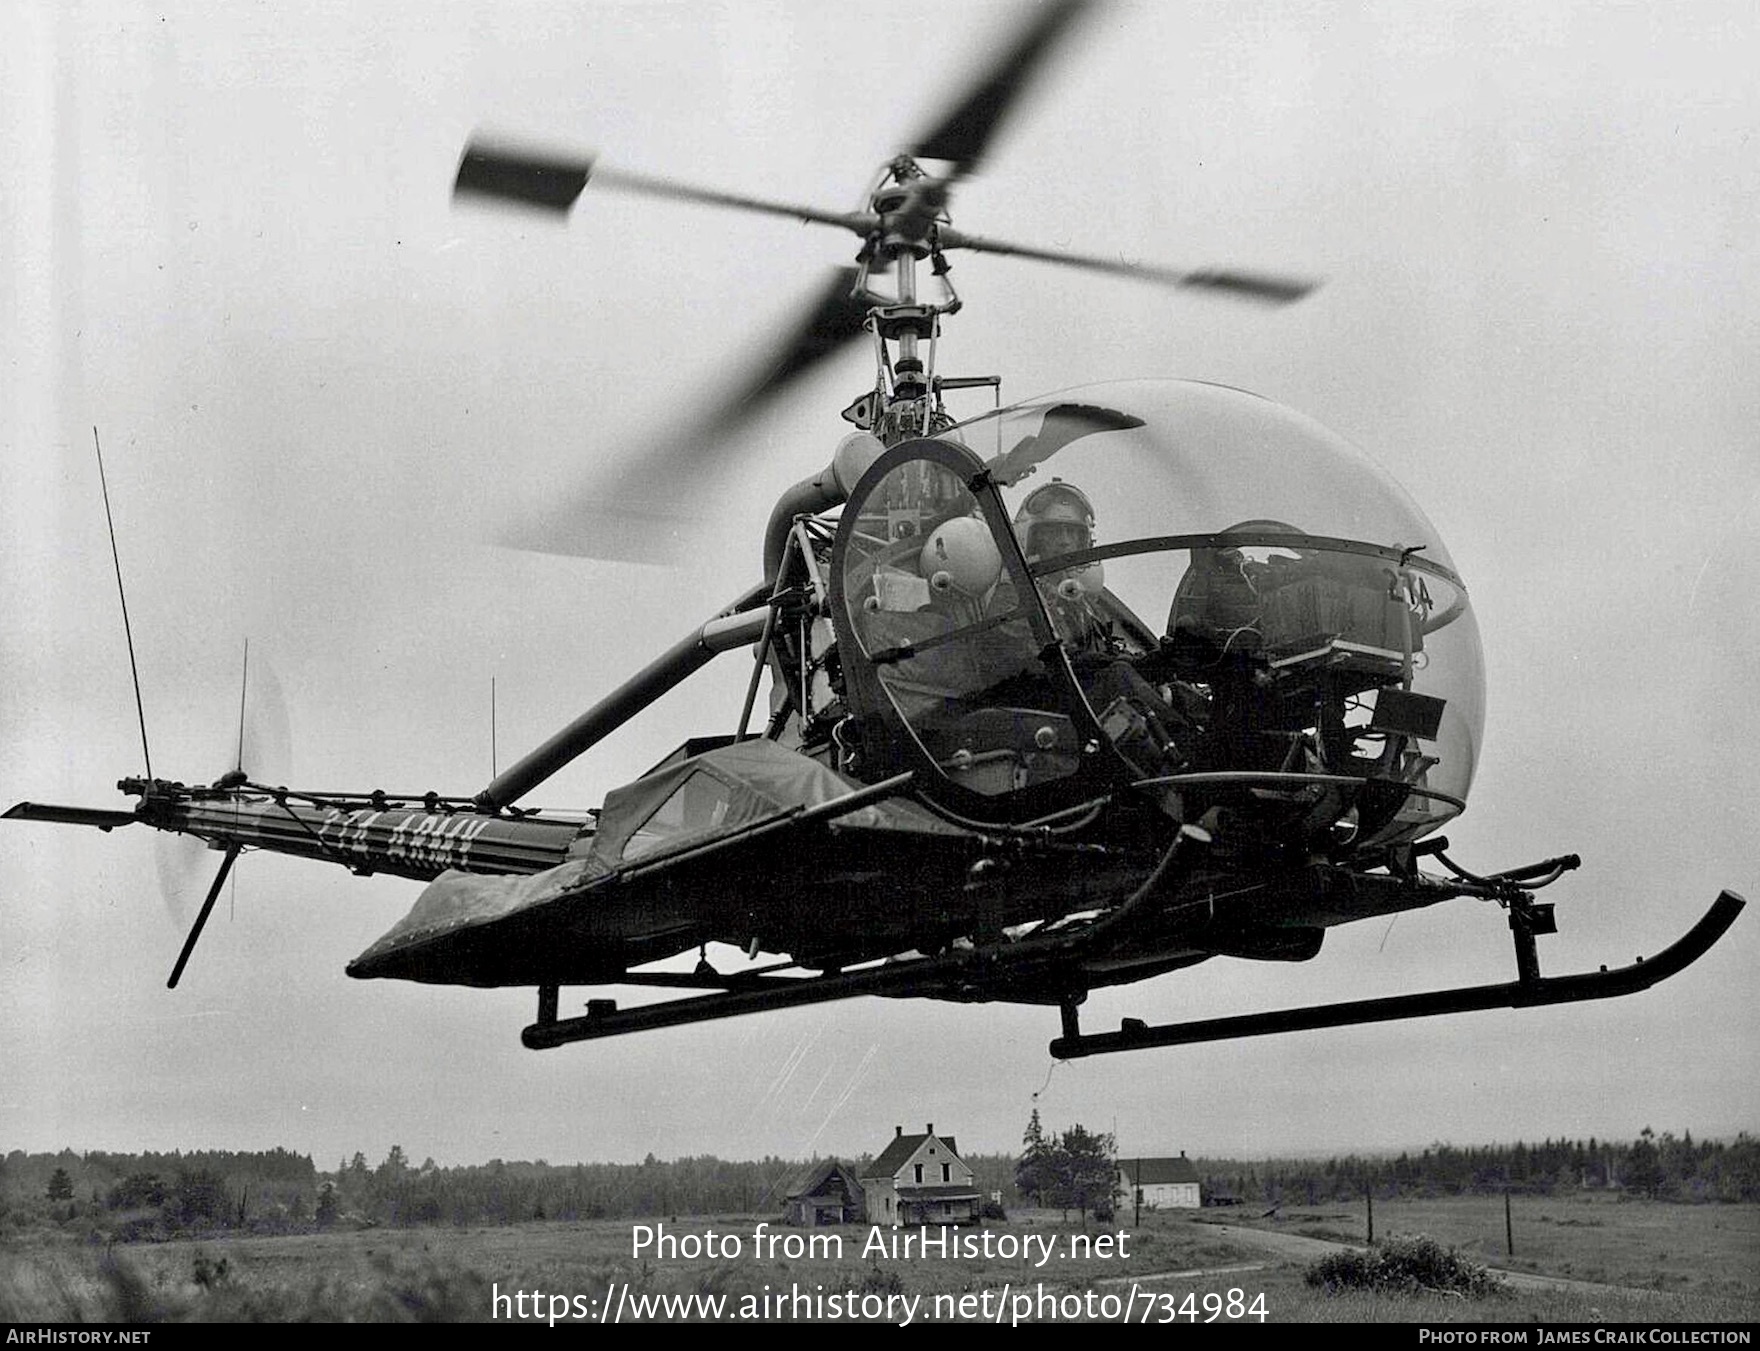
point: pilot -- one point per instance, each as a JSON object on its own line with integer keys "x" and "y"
{"x": 1057, "y": 519}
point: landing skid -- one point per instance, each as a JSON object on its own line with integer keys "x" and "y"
{"x": 1529, "y": 990}
{"x": 994, "y": 972}
{"x": 973, "y": 969}
{"x": 756, "y": 995}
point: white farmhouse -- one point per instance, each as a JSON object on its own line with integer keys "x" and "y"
{"x": 1165, "y": 1184}
{"x": 920, "y": 1179}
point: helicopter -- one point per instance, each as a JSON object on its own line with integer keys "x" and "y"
{"x": 1070, "y": 694}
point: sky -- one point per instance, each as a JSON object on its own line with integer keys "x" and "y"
{"x": 321, "y": 389}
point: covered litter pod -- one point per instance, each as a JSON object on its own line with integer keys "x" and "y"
{"x": 464, "y": 922}
{"x": 567, "y": 925}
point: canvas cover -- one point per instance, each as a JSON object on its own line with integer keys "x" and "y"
{"x": 734, "y": 786}
{"x": 456, "y": 901}
{"x": 675, "y": 807}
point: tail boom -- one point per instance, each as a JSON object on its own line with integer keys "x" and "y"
{"x": 417, "y": 838}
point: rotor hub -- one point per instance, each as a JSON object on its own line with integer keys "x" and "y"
{"x": 909, "y": 205}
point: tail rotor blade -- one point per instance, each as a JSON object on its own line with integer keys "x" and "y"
{"x": 265, "y": 740}
{"x": 258, "y": 750}
{"x": 178, "y": 860}
{"x": 189, "y": 944}
{"x": 255, "y": 742}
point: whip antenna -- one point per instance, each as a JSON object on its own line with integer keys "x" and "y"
{"x": 244, "y": 680}
{"x": 244, "y": 685}
{"x": 127, "y": 632}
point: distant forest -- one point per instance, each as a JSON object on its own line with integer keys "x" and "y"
{"x": 135, "y": 1197}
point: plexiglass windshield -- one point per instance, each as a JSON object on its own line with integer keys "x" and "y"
{"x": 1248, "y": 615}
{"x": 1296, "y": 607}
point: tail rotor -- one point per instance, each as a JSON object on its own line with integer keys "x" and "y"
{"x": 262, "y": 743}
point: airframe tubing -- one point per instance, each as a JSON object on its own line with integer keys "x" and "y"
{"x": 778, "y": 994}
{"x": 1520, "y": 994}
{"x": 891, "y": 978}
{"x": 682, "y": 659}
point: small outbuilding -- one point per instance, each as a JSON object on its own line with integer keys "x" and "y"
{"x": 828, "y": 1194}
{"x": 1162, "y": 1183}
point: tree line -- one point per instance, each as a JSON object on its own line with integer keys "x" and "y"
{"x": 156, "y": 1196}
{"x": 160, "y": 1195}
{"x": 153, "y": 1194}
{"x": 1662, "y": 1167}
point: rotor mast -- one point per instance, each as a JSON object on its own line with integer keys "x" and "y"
{"x": 908, "y": 209}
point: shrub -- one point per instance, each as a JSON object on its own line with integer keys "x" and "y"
{"x": 1404, "y": 1265}
{"x": 208, "y": 1273}
{"x": 878, "y": 1282}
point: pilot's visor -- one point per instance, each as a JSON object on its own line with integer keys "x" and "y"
{"x": 1051, "y": 539}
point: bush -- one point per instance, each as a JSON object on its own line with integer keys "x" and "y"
{"x": 137, "y": 1191}
{"x": 878, "y": 1282}
{"x": 1404, "y": 1265}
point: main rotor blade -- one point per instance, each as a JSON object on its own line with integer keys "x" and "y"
{"x": 644, "y": 513}
{"x": 836, "y": 318}
{"x": 1263, "y": 286}
{"x": 625, "y": 180}
{"x": 554, "y": 182}
{"x": 189, "y": 944}
{"x": 967, "y": 129}
{"x": 511, "y": 175}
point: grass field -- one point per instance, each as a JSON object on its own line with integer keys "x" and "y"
{"x": 1690, "y": 1263}
{"x": 1682, "y": 1249}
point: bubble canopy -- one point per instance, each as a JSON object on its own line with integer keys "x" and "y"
{"x": 1205, "y": 459}
{"x": 1247, "y": 605}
